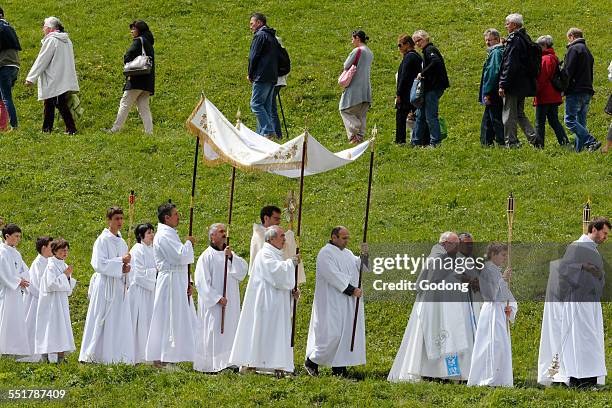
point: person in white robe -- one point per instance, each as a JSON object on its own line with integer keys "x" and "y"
{"x": 37, "y": 268}
{"x": 492, "y": 355}
{"x": 107, "y": 337}
{"x": 172, "y": 333}
{"x": 53, "y": 325}
{"x": 271, "y": 215}
{"x": 263, "y": 337}
{"x": 436, "y": 343}
{"x": 141, "y": 291}
{"x": 213, "y": 348}
{"x": 14, "y": 338}
{"x": 333, "y": 308}
{"x": 471, "y": 275}
{"x": 572, "y": 346}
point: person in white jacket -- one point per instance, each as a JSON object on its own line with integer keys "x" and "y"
{"x": 55, "y": 72}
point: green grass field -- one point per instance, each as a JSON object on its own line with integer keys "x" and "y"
{"x": 60, "y": 185}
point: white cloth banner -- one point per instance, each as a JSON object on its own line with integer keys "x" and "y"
{"x": 243, "y": 148}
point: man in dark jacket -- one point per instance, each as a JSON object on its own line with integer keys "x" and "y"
{"x": 435, "y": 81}
{"x": 578, "y": 64}
{"x": 9, "y": 67}
{"x": 515, "y": 82}
{"x": 492, "y": 127}
{"x": 263, "y": 73}
{"x": 407, "y": 72}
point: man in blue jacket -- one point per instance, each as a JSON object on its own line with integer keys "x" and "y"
{"x": 492, "y": 127}
{"x": 578, "y": 65}
{"x": 263, "y": 73}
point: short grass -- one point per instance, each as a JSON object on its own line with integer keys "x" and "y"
{"x": 59, "y": 185}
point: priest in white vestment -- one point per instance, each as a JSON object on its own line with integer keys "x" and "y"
{"x": 14, "y": 338}
{"x": 141, "y": 291}
{"x": 53, "y": 325}
{"x": 492, "y": 354}
{"x": 271, "y": 215}
{"x": 263, "y": 337}
{"x": 572, "y": 347}
{"x": 107, "y": 337}
{"x": 213, "y": 348}
{"x": 436, "y": 342}
{"x": 333, "y": 309}
{"x": 173, "y": 326}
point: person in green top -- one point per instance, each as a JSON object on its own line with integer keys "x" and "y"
{"x": 492, "y": 127}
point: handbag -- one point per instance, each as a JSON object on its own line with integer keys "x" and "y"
{"x": 416, "y": 93}
{"x": 141, "y": 65}
{"x": 74, "y": 104}
{"x": 345, "y": 78}
{"x": 608, "y": 108}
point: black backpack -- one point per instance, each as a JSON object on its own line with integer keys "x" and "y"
{"x": 534, "y": 56}
{"x": 560, "y": 79}
{"x": 284, "y": 63}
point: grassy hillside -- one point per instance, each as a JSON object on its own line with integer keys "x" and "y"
{"x": 60, "y": 185}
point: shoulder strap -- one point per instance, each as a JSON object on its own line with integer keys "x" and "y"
{"x": 357, "y": 56}
{"x": 142, "y": 46}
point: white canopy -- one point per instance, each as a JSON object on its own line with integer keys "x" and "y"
{"x": 245, "y": 149}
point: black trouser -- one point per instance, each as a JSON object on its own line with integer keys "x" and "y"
{"x": 61, "y": 103}
{"x": 583, "y": 382}
{"x": 548, "y": 111}
{"x": 492, "y": 126}
{"x": 401, "y": 114}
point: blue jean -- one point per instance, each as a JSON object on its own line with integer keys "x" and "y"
{"x": 8, "y": 77}
{"x": 262, "y": 100}
{"x": 576, "y": 109}
{"x": 427, "y": 117}
{"x": 491, "y": 126}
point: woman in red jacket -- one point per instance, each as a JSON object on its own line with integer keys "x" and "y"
{"x": 547, "y": 98}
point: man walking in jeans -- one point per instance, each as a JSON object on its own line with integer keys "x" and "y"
{"x": 9, "y": 68}
{"x": 578, "y": 65}
{"x": 263, "y": 73}
{"x": 515, "y": 82}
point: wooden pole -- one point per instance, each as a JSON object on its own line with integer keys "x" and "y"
{"x": 193, "y": 187}
{"x": 510, "y": 212}
{"x": 299, "y": 226}
{"x": 131, "y": 201}
{"x": 365, "y": 232}
{"x": 586, "y": 217}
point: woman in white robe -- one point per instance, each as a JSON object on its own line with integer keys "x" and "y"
{"x": 492, "y": 354}
{"x": 141, "y": 293}
{"x": 53, "y": 325}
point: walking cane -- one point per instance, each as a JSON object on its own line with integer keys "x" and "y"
{"x": 282, "y": 114}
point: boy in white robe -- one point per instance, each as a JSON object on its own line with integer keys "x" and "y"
{"x": 333, "y": 309}
{"x": 14, "y": 339}
{"x": 271, "y": 215}
{"x": 213, "y": 347}
{"x": 263, "y": 337}
{"x": 107, "y": 337}
{"x": 141, "y": 291}
{"x": 492, "y": 354}
{"x": 53, "y": 324}
{"x": 37, "y": 268}
{"x": 172, "y": 334}
{"x": 572, "y": 346}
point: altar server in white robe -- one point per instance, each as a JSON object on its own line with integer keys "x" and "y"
{"x": 14, "y": 337}
{"x": 263, "y": 337}
{"x": 107, "y": 337}
{"x": 333, "y": 309}
{"x": 213, "y": 348}
{"x": 141, "y": 291}
{"x": 492, "y": 355}
{"x": 271, "y": 215}
{"x": 436, "y": 342}
{"x": 53, "y": 325}
{"x": 572, "y": 347}
{"x": 172, "y": 334}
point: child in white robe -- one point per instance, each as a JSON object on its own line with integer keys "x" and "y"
{"x": 492, "y": 354}
{"x": 53, "y": 325}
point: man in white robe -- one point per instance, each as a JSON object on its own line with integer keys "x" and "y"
{"x": 333, "y": 309}
{"x": 213, "y": 348}
{"x": 271, "y": 215}
{"x": 263, "y": 337}
{"x": 572, "y": 347}
{"x": 107, "y": 337}
{"x": 14, "y": 339}
{"x": 172, "y": 334}
{"x": 436, "y": 343}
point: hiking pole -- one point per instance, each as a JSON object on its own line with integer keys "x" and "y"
{"x": 282, "y": 114}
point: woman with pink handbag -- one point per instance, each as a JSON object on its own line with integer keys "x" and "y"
{"x": 357, "y": 96}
